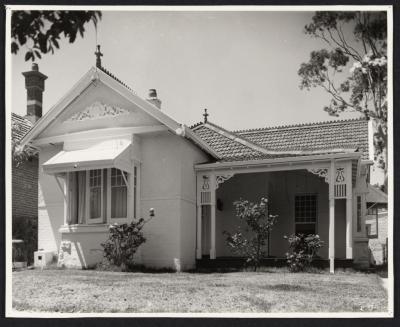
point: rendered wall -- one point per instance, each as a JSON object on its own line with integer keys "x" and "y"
{"x": 190, "y": 155}
{"x": 168, "y": 185}
{"x": 281, "y": 188}
{"x": 50, "y": 205}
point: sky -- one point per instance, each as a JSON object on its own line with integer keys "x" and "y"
{"x": 241, "y": 66}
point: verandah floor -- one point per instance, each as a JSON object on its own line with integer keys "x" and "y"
{"x": 269, "y": 291}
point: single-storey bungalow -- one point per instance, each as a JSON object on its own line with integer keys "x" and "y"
{"x": 107, "y": 156}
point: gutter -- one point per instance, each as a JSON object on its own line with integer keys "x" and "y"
{"x": 263, "y": 162}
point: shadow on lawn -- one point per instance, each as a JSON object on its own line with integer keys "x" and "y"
{"x": 285, "y": 287}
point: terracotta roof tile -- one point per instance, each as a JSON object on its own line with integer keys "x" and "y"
{"x": 351, "y": 133}
{"x": 22, "y": 125}
{"x": 228, "y": 148}
{"x": 286, "y": 141}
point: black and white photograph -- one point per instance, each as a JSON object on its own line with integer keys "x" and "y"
{"x": 199, "y": 161}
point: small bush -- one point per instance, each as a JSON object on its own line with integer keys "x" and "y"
{"x": 26, "y": 229}
{"x": 303, "y": 250}
{"x": 259, "y": 223}
{"x": 123, "y": 242}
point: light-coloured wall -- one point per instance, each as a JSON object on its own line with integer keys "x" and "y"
{"x": 50, "y": 204}
{"x": 281, "y": 188}
{"x": 190, "y": 155}
{"x": 168, "y": 184}
{"x": 82, "y": 249}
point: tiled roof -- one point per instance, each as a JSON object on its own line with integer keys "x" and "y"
{"x": 286, "y": 141}
{"x": 224, "y": 144}
{"x": 22, "y": 126}
{"x": 351, "y": 133}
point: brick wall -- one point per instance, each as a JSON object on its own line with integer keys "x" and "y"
{"x": 25, "y": 188}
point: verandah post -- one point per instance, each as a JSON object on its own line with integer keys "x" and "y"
{"x": 213, "y": 254}
{"x": 332, "y": 217}
{"x": 198, "y": 248}
{"x": 349, "y": 213}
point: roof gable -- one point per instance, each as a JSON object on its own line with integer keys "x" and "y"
{"x": 93, "y": 78}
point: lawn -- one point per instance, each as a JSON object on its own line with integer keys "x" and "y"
{"x": 257, "y": 292}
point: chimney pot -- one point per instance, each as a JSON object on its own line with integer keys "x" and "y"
{"x": 152, "y": 98}
{"x": 152, "y": 93}
{"x": 35, "y": 67}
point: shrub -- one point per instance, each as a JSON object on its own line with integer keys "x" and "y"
{"x": 259, "y": 223}
{"x": 303, "y": 250}
{"x": 26, "y": 229}
{"x": 123, "y": 242}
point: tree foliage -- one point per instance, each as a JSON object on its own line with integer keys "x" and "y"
{"x": 251, "y": 242}
{"x": 41, "y": 30}
{"x": 353, "y": 67}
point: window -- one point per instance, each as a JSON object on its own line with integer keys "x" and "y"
{"x": 95, "y": 193}
{"x": 119, "y": 193}
{"x": 306, "y": 214}
{"x": 359, "y": 213}
{"x": 101, "y": 196}
{"x": 134, "y": 191}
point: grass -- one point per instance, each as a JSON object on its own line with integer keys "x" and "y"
{"x": 273, "y": 290}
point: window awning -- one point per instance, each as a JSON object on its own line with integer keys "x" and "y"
{"x": 95, "y": 157}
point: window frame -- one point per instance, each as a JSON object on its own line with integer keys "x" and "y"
{"x": 133, "y": 197}
{"x": 118, "y": 220}
{"x": 316, "y": 212}
{"x": 100, "y": 219}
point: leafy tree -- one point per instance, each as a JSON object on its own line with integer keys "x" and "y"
{"x": 356, "y": 41}
{"x": 258, "y": 226}
{"x": 40, "y": 30}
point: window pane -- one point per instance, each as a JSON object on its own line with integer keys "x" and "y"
{"x": 134, "y": 190}
{"x": 95, "y": 202}
{"x": 118, "y": 202}
{"x": 119, "y": 194}
{"x": 305, "y": 214}
{"x": 95, "y": 185}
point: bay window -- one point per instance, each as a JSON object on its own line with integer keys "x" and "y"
{"x": 101, "y": 196}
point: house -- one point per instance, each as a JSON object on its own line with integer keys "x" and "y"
{"x": 25, "y": 171}
{"x": 377, "y": 224}
{"x": 107, "y": 156}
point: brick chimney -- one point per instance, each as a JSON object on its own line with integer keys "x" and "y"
{"x": 34, "y": 84}
{"x": 153, "y": 98}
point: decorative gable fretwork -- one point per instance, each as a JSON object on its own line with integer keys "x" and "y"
{"x": 98, "y": 110}
{"x": 342, "y": 182}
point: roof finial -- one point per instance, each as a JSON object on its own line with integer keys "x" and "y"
{"x": 98, "y": 56}
{"x": 205, "y": 115}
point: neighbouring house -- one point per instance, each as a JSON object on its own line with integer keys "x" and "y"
{"x": 107, "y": 156}
{"x": 25, "y": 169}
{"x": 377, "y": 224}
